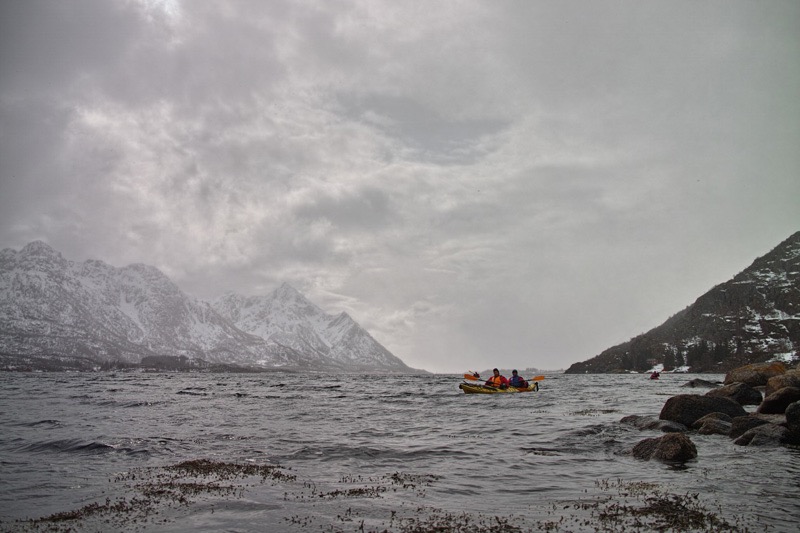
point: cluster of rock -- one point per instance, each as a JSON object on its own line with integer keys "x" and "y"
{"x": 776, "y": 420}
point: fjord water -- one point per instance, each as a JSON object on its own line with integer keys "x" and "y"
{"x": 65, "y": 438}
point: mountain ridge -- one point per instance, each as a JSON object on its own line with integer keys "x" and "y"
{"x": 304, "y": 326}
{"x": 753, "y": 317}
{"x": 58, "y": 313}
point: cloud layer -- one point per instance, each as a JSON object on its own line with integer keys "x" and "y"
{"x": 513, "y": 183}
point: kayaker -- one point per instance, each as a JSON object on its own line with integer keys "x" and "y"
{"x": 497, "y": 381}
{"x": 517, "y": 381}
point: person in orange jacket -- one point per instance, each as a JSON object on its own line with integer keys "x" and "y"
{"x": 497, "y": 381}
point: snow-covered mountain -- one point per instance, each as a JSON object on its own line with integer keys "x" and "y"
{"x": 287, "y": 318}
{"x": 751, "y": 318}
{"x": 52, "y": 310}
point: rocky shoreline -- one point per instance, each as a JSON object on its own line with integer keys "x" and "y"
{"x": 720, "y": 411}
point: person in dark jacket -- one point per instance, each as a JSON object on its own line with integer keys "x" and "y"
{"x": 517, "y": 381}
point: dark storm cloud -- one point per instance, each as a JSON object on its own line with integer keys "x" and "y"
{"x": 470, "y": 180}
{"x": 46, "y": 46}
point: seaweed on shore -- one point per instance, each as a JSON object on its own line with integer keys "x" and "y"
{"x": 617, "y": 505}
{"x": 154, "y": 488}
{"x": 640, "y": 506}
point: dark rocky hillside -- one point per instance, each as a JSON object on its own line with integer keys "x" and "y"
{"x": 751, "y": 318}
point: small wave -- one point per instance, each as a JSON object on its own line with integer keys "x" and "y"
{"x": 41, "y": 423}
{"x": 139, "y": 404}
{"x": 541, "y": 451}
{"x": 590, "y": 430}
{"x": 77, "y": 446}
{"x": 334, "y": 453}
{"x": 191, "y": 392}
{"x": 232, "y": 437}
{"x": 115, "y": 403}
{"x": 67, "y": 446}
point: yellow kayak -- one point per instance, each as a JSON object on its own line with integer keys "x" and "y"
{"x": 470, "y": 388}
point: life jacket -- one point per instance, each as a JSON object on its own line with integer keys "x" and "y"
{"x": 495, "y": 381}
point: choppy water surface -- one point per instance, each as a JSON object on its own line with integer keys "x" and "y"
{"x": 363, "y": 453}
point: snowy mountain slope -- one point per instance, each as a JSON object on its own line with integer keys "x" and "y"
{"x": 54, "y": 308}
{"x": 753, "y": 317}
{"x": 285, "y": 316}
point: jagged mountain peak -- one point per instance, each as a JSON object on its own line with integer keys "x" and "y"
{"x": 37, "y": 255}
{"x": 288, "y": 317}
{"x": 56, "y": 310}
{"x": 343, "y": 318}
{"x": 149, "y": 274}
{"x": 39, "y": 248}
{"x": 778, "y": 259}
{"x": 287, "y": 293}
{"x": 286, "y": 290}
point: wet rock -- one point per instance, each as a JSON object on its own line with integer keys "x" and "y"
{"x": 711, "y": 416}
{"x": 713, "y": 424}
{"x": 670, "y": 447}
{"x": 639, "y": 421}
{"x": 778, "y": 401}
{"x": 715, "y": 427}
{"x": 793, "y": 417}
{"x": 686, "y": 409}
{"x": 648, "y": 422}
{"x": 741, "y": 393}
{"x": 668, "y": 426}
{"x": 793, "y": 422}
{"x": 790, "y": 379}
{"x": 701, "y": 383}
{"x": 755, "y": 375}
{"x": 741, "y": 424}
{"x": 764, "y": 435}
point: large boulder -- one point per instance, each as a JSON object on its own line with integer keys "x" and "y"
{"x": 793, "y": 422}
{"x": 711, "y": 416}
{"x": 715, "y": 427}
{"x": 764, "y": 435}
{"x": 778, "y": 401}
{"x": 741, "y": 393}
{"x": 741, "y": 424}
{"x": 670, "y": 447}
{"x": 790, "y": 379}
{"x": 755, "y": 375}
{"x": 793, "y": 417}
{"x": 686, "y": 409}
{"x": 697, "y": 382}
{"x": 713, "y": 424}
{"x": 648, "y": 422}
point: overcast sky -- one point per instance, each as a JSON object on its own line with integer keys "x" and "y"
{"x": 505, "y": 183}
